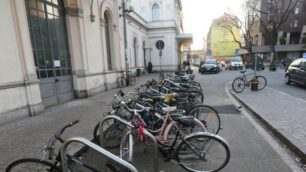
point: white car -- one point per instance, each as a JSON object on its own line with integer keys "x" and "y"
{"x": 235, "y": 63}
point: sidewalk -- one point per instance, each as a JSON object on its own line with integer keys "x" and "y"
{"x": 284, "y": 114}
{"x": 25, "y": 137}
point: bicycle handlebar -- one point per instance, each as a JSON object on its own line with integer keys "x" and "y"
{"x": 57, "y": 136}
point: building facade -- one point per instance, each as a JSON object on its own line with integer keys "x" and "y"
{"x": 291, "y": 36}
{"x": 220, "y": 42}
{"x": 53, "y": 51}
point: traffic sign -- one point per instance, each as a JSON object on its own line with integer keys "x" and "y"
{"x": 160, "y": 44}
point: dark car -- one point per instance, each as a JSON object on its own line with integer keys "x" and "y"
{"x": 209, "y": 65}
{"x": 296, "y": 72}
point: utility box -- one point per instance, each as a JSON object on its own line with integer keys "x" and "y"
{"x": 254, "y": 85}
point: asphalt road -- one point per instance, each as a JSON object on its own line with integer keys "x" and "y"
{"x": 276, "y": 80}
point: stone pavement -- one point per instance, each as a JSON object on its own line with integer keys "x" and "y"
{"x": 26, "y": 137}
{"x": 284, "y": 114}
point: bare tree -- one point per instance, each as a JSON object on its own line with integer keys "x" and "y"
{"x": 245, "y": 24}
{"x": 272, "y": 15}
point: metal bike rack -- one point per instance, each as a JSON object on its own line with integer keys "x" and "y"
{"x": 128, "y": 124}
{"x": 95, "y": 147}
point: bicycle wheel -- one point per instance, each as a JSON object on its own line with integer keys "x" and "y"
{"x": 112, "y": 135}
{"x": 262, "y": 82}
{"x": 208, "y": 116}
{"x": 203, "y": 152}
{"x": 197, "y": 96}
{"x": 132, "y": 80}
{"x": 120, "y": 82}
{"x": 126, "y": 147}
{"x": 238, "y": 85}
{"x": 32, "y": 165}
{"x": 173, "y": 127}
{"x": 96, "y": 131}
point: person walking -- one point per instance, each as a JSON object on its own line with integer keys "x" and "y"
{"x": 150, "y": 67}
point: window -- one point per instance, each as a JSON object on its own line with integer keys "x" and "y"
{"x": 295, "y": 23}
{"x": 108, "y": 41}
{"x": 296, "y": 10}
{"x": 155, "y": 12}
{"x": 296, "y": 62}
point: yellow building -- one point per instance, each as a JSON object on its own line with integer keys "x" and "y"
{"x": 221, "y": 42}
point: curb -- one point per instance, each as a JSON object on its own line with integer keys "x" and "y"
{"x": 279, "y": 135}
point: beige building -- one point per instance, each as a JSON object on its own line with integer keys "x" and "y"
{"x": 53, "y": 51}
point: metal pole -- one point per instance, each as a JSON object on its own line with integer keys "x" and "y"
{"x": 125, "y": 36}
{"x": 160, "y": 62}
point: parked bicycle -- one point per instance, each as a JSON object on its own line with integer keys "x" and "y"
{"x": 239, "y": 84}
{"x": 127, "y": 79}
{"x": 195, "y": 152}
{"x": 53, "y": 164}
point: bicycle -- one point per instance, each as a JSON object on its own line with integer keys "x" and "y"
{"x": 127, "y": 79}
{"x": 54, "y": 163}
{"x": 196, "y": 152}
{"x": 239, "y": 84}
{"x": 162, "y": 131}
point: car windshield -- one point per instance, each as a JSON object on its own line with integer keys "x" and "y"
{"x": 235, "y": 60}
{"x": 210, "y": 62}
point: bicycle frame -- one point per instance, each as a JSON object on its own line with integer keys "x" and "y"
{"x": 245, "y": 78}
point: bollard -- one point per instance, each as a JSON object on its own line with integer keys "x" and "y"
{"x": 254, "y": 85}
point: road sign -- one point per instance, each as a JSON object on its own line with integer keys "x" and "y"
{"x": 304, "y": 55}
{"x": 160, "y": 45}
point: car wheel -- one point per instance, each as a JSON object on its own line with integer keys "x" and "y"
{"x": 287, "y": 79}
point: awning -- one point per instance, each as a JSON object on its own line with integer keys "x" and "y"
{"x": 184, "y": 38}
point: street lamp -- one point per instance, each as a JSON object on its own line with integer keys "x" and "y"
{"x": 123, "y": 15}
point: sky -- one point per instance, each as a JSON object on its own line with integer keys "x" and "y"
{"x": 199, "y": 14}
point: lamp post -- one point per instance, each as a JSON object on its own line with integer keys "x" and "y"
{"x": 123, "y": 15}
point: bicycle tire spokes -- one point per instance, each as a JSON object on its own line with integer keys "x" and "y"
{"x": 202, "y": 154}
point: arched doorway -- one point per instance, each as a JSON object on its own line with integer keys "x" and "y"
{"x": 47, "y": 27}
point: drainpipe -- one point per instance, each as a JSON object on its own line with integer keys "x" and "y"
{"x": 92, "y": 16}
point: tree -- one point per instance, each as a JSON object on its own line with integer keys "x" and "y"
{"x": 272, "y": 15}
{"x": 245, "y": 24}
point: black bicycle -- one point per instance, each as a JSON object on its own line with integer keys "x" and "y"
{"x": 54, "y": 161}
{"x": 241, "y": 82}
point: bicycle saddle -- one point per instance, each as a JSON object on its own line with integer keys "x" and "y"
{"x": 242, "y": 71}
{"x": 185, "y": 120}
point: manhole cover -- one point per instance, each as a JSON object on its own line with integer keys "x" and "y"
{"x": 230, "y": 109}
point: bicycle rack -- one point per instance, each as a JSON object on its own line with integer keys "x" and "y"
{"x": 95, "y": 147}
{"x": 148, "y": 134}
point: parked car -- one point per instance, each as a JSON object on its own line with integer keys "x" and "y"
{"x": 296, "y": 72}
{"x": 210, "y": 65}
{"x": 235, "y": 63}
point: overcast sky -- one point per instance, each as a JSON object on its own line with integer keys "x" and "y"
{"x": 198, "y": 15}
